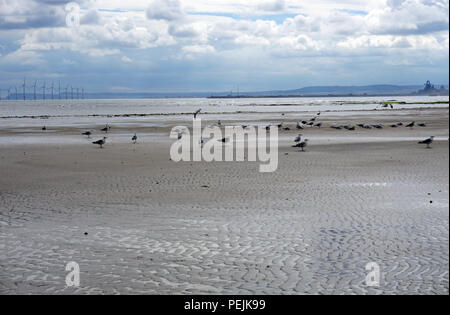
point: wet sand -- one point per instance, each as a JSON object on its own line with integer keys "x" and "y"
{"x": 158, "y": 227}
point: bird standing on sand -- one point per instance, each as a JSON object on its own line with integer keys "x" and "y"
{"x": 106, "y": 129}
{"x": 196, "y": 113}
{"x": 180, "y": 135}
{"x": 299, "y": 126}
{"x": 319, "y": 125}
{"x": 301, "y": 145}
{"x": 299, "y": 138}
{"x": 422, "y": 125}
{"x": 87, "y": 133}
{"x": 44, "y": 128}
{"x": 428, "y": 142}
{"x": 411, "y": 125}
{"x": 224, "y": 140}
{"x": 101, "y": 142}
{"x": 134, "y": 139}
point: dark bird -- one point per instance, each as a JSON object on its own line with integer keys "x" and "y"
{"x": 336, "y": 127}
{"x": 318, "y": 114}
{"x": 299, "y": 126}
{"x": 44, "y": 128}
{"x": 304, "y": 122}
{"x": 180, "y": 135}
{"x": 196, "y": 113}
{"x": 411, "y": 125}
{"x": 219, "y": 123}
{"x": 319, "y": 125}
{"x": 301, "y": 145}
{"x": 422, "y": 125}
{"x": 106, "y": 129}
{"x": 134, "y": 139}
{"x": 394, "y": 126}
{"x": 224, "y": 140}
{"x": 287, "y": 129}
{"x": 244, "y": 127}
{"x": 428, "y": 142}
{"x": 367, "y": 127}
{"x": 87, "y": 133}
{"x": 400, "y": 124}
{"x": 313, "y": 119}
{"x": 379, "y": 126}
{"x": 361, "y": 125}
{"x": 311, "y": 123}
{"x": 101, "y": 142}
{"x": 352, "y": 128}
{"x": 280, "y": 125}
{"x": 268, "y": 128}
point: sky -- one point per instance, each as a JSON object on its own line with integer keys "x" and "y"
{"x": 222, "y": 45}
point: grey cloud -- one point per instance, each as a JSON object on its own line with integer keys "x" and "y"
{"x": 168, "y": 10}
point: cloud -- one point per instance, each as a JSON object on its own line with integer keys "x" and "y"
{"x": 168, "y": 10}
{"x": 126, "y": 59}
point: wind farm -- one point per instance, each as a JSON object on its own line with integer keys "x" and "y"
{"x": 40, "y": 90}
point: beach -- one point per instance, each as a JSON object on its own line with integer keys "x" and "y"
{"x": 136, "y": 222}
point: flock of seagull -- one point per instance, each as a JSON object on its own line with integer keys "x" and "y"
{"x": 299, "y": 142}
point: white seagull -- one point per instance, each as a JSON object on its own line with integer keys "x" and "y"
{"x": 428, "y": 142}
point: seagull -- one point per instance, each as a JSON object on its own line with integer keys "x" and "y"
{"x": 379, "y": 126}
{"x": 180, "y": 135}
{"x": 280, "y": 125}
{"x": 394, "y": 126}
{"x": 106, "y": 129}
{"x": 304, "y": 122}
{"x": 134, "y": 139}
{"x": 411, "y": 125}
{"x": 319, "y": 125}
{"x": 268, "y": 128}
{"x": 101, "y": 142}
{"x": 219, "y": 123}
{"x": 428, "y": 142}
{"x": 301, "y": 145}
{"x": 313, "y": 119}
{"x": 224, "y": 140}
{"x": 299, "y": 138}
{"x": 318, "y": 114}
{"x": 87, "y": 133}
{"x": 287, "y": 129}
{"x": 352, "y": 128}
{"x": 44, "y": 128}
{"x": 422, "y": 125}
{"x": 361, "y": 125}
{"x": 400, "y": 124}
{"x": 196, "y": 113}
{"x": 299, "y": 126}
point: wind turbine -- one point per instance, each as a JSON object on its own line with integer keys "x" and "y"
{"x": 17, "y": 95}
{"x": 59, "y": 90}
{"x": 66, "y": 88}
{"x": 82, "y": 93}
{"x": 34, "y": 90}
{"x": 9, "y": 94}
{"x": 24, "y": 87}
{"x": 43, "y": 91}
{"x": 78, "y": 95}
{"x": 71, "y": 92}
{"x": 52, "y": 91}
